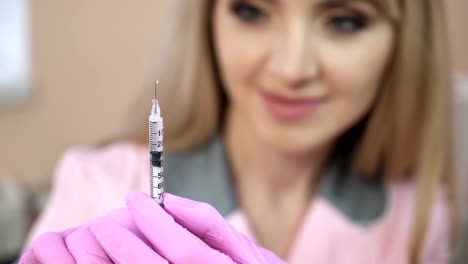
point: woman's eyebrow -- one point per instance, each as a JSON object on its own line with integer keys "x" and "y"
{"x": 272, "y": 1}
{"x": 328, "y": 4}
{"x": 322, "y": 4}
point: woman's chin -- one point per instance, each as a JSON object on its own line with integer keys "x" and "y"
{"x": 294, "y": 142}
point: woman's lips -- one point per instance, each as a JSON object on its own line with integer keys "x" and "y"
{"x": 290, "y": 109}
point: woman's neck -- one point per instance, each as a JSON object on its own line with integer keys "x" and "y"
{"x": 274, "y": 188}
{"x": 272, "y": 170}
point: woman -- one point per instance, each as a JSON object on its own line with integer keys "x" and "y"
{"x": 319, "y": 129}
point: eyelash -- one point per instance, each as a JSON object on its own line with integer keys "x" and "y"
{"x": 247, "y": 12}
{"x": 350, "y": 23}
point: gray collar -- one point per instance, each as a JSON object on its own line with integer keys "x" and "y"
{"x": 203, "y": 174}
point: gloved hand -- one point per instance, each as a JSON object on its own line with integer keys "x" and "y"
{"x": 79, "y": 245}
{"x": 185, "y": 232}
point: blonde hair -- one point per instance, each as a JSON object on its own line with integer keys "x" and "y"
{"x": 408, "y": 132}
{"x": 410, "y": 129}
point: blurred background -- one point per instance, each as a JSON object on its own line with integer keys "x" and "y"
{"x": 69, "y": 71}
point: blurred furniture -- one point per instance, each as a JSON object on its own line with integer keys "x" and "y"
{"x": 461, "y": 168}
{"x": 13, "y": 218}
{"x": 19, "y": 207}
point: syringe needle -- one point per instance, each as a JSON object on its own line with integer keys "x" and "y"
{"x": 155, "y": 89}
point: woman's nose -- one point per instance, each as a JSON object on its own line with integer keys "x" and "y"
{"x": 294, "y": 59}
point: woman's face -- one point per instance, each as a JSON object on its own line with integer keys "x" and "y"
{"x": 300, "y": 72}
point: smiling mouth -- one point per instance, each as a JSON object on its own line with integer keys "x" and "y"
{"x": 290, "y": 109}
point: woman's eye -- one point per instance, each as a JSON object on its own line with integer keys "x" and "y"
{"x": 348, "y": 23}
{"x": 247, "y": 12}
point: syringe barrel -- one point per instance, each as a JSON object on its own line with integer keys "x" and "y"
{"x": 156, "y": 154}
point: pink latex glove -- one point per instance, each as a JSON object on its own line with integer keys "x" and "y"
{"x": 185, "y": 232}
{"x": 79, "y": 245}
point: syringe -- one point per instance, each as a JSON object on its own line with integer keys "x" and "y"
{"x": 156, "y": 151}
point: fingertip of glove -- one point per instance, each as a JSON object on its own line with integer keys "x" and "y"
{"x": 99, "y": 228}
{"x": 173, "y": 200}
{"x": 133, "y": 197}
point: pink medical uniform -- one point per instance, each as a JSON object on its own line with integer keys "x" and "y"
{"x": 91, "y": 181}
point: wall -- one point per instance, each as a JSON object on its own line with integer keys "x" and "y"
{"x": 89, "y": 56}
{"x": 458, "y": 30}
